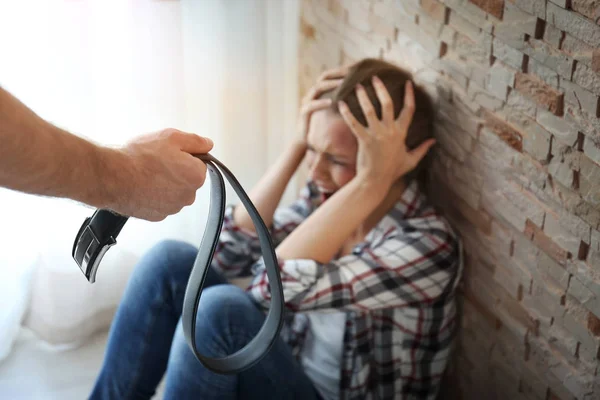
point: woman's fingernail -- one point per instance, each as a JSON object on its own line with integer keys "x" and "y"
{"x": 376, "y": 80}
{"x": 359, "y": 87}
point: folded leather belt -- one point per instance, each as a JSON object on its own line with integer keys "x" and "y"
{"x": 99, "y": 232}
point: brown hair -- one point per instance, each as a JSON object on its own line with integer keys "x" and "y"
{"x": 394, "y": 79}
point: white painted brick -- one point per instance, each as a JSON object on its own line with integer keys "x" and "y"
{"x": 581, "y": 121}
{"x": 408, "y": 7}
{"x": 515, "y": 20}
{"x": 543, "y": 72}
{"x": 429, "y": 25}
{"x": 447, "y": 138}
{"x": 580, "y": 97}
{"x": 450, "y": 66}
{"x": 591, "y": 148}
{"x": 471, "y": 12}
{"x": 586, "y": 78}
{"x": 358, "y": 17}
{"x": 529, "y": 173}
{"x": 513, "y": 205}
{"x": 557, "y": 126}
{"x": 561, "y": 171}
{"x": 537, "y": 143}
{"x": 588, "y": 181}
{"x": 552, "y": 34}
{"x": 560, "y": 3}
{"x": 534, "y": 7}
{"x": 594, "y": 255}
{"x": 517, "y": 103}
{"x": 507, "y": 54}
{"x": 574, "y": 24}
{"x": 478, "y": 74}
{"x": 481, "y": 96}
{"x": 499, "y": 79}
{"x": 563, "y": 340}
{"x": 448, "y": 35}
{"x": 563, "y": 237}
{"x": 409, "y": 54}
{"x": 550, "y": 57}
{"x": 576, "y": 48}
{"x": 458, "y": 114}
{"x": 585, "y": 296}
{"x": 579, "y": 329}
{"x": 463, "y": 26}
{"x": 575, "y": 225}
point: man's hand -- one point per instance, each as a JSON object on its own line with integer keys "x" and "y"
{"x": 158, "y": 174}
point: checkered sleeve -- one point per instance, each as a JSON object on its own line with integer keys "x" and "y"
{"x": 415, "y": 265}
{"x": 238, "y": 249}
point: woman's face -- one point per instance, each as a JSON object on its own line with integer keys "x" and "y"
{"x": 332, "y": 150}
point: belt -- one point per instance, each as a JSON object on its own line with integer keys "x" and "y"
{"x": 99, "y": 232}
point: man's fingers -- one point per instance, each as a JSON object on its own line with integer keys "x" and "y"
{"x": 192, "y": 143}
{"x": 355, "y": 126}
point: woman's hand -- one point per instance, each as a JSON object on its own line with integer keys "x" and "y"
{"x": 382, "y": 153}
{"x": 329, "y": 80}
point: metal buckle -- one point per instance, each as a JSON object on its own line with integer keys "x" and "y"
{"x": 89, "y": 252}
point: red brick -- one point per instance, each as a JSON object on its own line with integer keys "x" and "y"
{"x": 540, "y": 92}
{"x": 494, "y": 7}
{"x": 434, "y": 9}
{"x": 505, "y": 131}
{"x": 594, "y": 324}
{"x": 545, "y": 243}
{"x": 596, "y": 61}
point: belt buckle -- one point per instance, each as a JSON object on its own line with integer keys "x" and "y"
{"x": 88, "y": 250}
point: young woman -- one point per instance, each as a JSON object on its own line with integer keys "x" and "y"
{"x": 369, "y": 269}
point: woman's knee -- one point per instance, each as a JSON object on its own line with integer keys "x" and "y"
{"x": 227, "y": 317}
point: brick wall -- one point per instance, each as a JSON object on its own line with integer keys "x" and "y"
{"x": 516, "y": 83}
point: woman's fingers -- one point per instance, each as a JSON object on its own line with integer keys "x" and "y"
{"x": 335, "y": 73}
{"x": 416, "y": 155}
{"x": 366, "y": 106}
{"x": 322, "y": 87}
{"x": 315, "y": 105}
{"x": 356, "y": 127}
{"x": 408, "y": 110}
{"x": 387, "y": 104}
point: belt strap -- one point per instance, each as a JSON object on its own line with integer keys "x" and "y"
{"x": 99, "y": 232}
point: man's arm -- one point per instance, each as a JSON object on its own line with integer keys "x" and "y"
{"x": 152, "y": 177}
{"x": 38, "y": 158}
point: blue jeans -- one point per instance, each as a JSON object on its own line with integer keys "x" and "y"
{"x": 146, "y": 338}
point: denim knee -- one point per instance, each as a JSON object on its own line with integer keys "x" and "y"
{"x": 228, "y": 318}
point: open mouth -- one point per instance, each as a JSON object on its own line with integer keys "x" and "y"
{"x": 326, "y": 194}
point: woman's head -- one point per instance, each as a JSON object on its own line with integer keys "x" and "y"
{"x": 332, "y": 145}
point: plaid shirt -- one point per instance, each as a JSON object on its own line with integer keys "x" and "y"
{"x": 397, "y": 289}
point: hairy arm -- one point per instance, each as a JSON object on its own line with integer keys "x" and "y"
{"x": 37, "y": 157}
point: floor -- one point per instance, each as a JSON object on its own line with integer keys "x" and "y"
{"x": 35, "y": 371}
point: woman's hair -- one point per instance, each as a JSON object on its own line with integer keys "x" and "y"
{"x": 394, "y": 79}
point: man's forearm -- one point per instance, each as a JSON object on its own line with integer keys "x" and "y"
{"x": 38, "y": 158}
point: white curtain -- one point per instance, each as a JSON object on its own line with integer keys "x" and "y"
{"x": 112, "y": 69}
